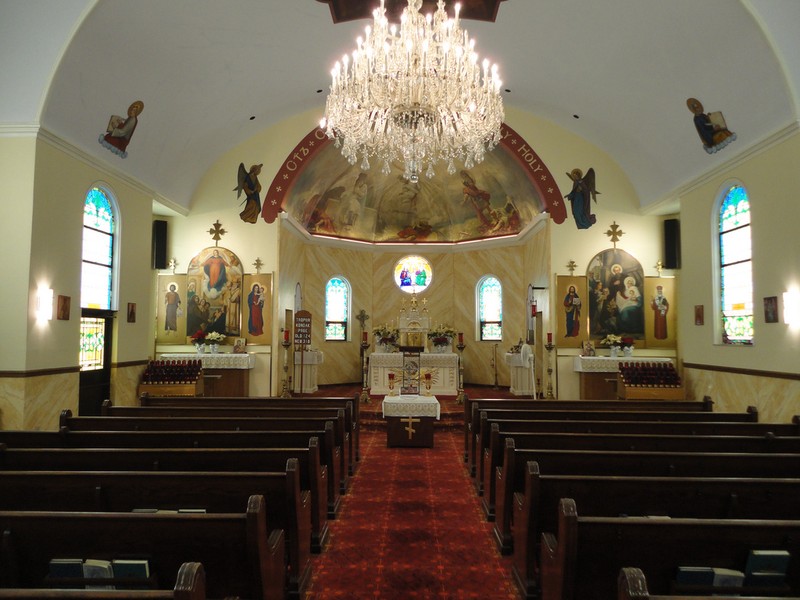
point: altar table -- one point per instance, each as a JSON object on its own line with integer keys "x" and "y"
{"x": 443, "y": 368}
{"x": 409, "y": 420}
{"x": 224, "y": 374}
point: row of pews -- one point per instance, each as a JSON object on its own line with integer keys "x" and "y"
{"x": 243, "y": 488}
{"x": 579, "y": 490}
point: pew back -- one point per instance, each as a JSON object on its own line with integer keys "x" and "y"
{"x": 239, "y": 556}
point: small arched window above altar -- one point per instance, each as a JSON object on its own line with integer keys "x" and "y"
{"x": 337, "y": 308}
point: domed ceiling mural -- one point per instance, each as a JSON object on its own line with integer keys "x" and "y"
{"x": 325, "y": 195}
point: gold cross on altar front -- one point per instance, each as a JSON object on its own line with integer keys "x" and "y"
{"x": 410, "y": 428}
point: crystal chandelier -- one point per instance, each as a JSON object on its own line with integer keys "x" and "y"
{"x": 416, "y": 95}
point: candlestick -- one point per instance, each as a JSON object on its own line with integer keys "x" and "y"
{"x": 460, "y": 337}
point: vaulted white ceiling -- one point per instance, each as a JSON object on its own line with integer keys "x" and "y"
{"x": 204, "y": 67}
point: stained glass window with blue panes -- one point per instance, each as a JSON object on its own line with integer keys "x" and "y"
{"x": 490, "y": 308}
{"x": 337, "y": 307}
{"x": 98, "y": 251}
{"x": 736, "y": 273}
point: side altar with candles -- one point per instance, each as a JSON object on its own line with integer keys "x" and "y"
{"x": 417, "y": 368}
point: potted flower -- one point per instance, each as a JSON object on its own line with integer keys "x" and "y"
{"x": 385, "y": 337}
{"x": 613, "y": 342}
{"x": 199, "y": 340}
{"x": 214, "y": 339}
{"x": 627, "y": 345}
{"x": 441, "y": 337}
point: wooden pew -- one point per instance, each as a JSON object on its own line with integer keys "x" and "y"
{"x": 583, "y": 558}
{"x": 190, "y": 584}
{"x": 212, "y": 491}
{"x": 239, "y": 555}
{"x": 283, "y": 412}
{"x": 492, "y": 457}
{"x": 632, "y": 585}
{"x": 323, "y": 460}
{"x": 475, "y": 405}
{"x": 612, "y": 425}
{"x": 350, "y": 403}
{"x": 73, "y": 423}
{"x": 535, "y": 508}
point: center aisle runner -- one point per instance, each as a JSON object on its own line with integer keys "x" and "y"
{"x": 411, "y": 526}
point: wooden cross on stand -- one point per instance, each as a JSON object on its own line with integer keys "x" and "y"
{"x": 410, "y": 427}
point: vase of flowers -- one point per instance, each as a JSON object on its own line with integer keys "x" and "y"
{"x": 613, "y": 342}
{"x": 214, "y": 339}
{"x": 385, "y": 338}
{"x": 627, "y": 346}
{"x": 441, "y": 338}
{"x": 199, "y": 340}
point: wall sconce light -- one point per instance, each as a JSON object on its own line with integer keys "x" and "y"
{"x": 791, "y": 308}
{"x": 44, "y": 304}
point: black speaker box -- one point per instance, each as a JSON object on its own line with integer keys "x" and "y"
{"x": 159, "y": 245}
{"x": 672, "y": 244}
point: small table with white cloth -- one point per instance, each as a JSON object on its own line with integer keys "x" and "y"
{"x": 409, "y": 420}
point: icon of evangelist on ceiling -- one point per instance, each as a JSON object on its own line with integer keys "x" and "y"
{"x": 711, "y": 127}
{"x": 120, "y": 129}
{"x": 333, "y": 198}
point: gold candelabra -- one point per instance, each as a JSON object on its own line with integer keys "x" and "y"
{"x": 549, "y": 346}
{"x": 460, "y": 346}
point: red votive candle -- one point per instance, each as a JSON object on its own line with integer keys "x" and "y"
{"x": 427, "y": 376}
{"x": 285, "y": 335}
{"x": 363, "y": 336}
{"x": 549, "y": 338}
{"x": 533, "y": 310}
{"x": 391, "y": 376}
{"x": 460, "y": 337}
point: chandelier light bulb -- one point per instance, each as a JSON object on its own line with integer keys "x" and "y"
{"x": 415, "y": 96}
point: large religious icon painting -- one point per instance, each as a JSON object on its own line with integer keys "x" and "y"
{"x": 571, "y": 311}
{"x": 257, "y": 309}
{"x": 660, "y": 304}
{"x": 616, "y": 296}
{"x": 171, "y": 309}
{"x": 214, "y": 293}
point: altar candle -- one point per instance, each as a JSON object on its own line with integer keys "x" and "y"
{"x": 364, "y": 336}
{"x": 391, "y": 376}
{"x": 533, "y": 309}
{"x": 285, "y": 335}
{"x": 427, "y": 376}
{"x": 460, "y": 337}
{"x": 549, "y": 338}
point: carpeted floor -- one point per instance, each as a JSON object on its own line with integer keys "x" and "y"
{"x": 411, "y": 527}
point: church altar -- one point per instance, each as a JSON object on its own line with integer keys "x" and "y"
{"x": 409, "y": 420}
{"x": 411, "y": 406}
{"x": 443, "y": 368}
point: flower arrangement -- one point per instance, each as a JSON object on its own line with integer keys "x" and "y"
{"x": 215, "y": 338}
{"x": 611, "y": 340}
{"x": 627, "y": 341}
{"x": 199, "y": 337}
{"x": 441, "y": 335}
{"x": 386, "y": 334}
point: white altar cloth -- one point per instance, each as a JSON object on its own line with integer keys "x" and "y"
{"x": 411, "y": 406}
{"x": 223, "y": 360}
{"x": 443, "y": 369}
{"x": 609, "y": 364}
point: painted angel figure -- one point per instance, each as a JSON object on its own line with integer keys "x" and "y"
{"x": 583, "y": 192}
{"x": 247, "y": 182}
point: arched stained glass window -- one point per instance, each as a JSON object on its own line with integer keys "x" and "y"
{"x": 98, "y": 251}
{"x": 490, "y": 308}
{"x": 735, "y": 267}
{"x": 337, "y": 309}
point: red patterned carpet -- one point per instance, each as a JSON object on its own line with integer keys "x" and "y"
{"x": 411, "y": 527}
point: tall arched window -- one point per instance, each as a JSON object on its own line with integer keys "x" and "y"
{"x": 97, "y": 273}
{"x": 337, "y": 308}
{"x": 490, "y": 308}
{"x": 97, "y": 281}
{"x": 735, "y": 267}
